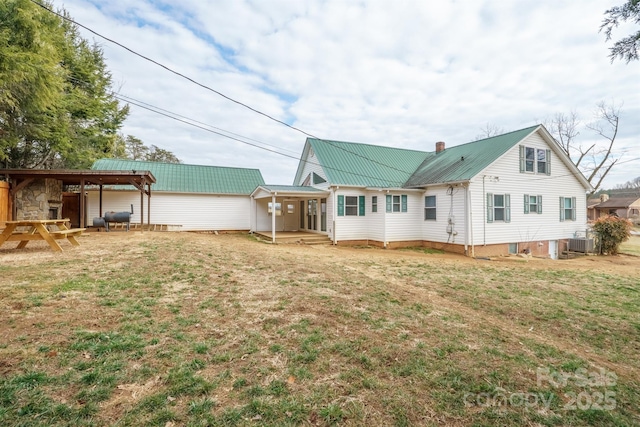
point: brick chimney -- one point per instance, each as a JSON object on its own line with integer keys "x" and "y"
{"x": 439, "y": 147}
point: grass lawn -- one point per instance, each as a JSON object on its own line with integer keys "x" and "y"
{"x": 169, "y": 329}
{"x": 631, "y": 246}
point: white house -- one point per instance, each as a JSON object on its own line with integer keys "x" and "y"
{"x": 189, "y": 197}
{"x": 517, "y": 192}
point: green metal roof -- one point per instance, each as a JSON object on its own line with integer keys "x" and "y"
{"x": 292, "y": 188}
{"x": 348, "y": 163}
{"x": 181, "y": 178}
{"x": 463, "y": 162}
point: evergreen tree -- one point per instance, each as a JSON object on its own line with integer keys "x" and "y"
{"x": 57, "y": 109}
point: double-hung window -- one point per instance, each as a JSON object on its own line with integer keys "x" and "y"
{"x": 396, "y": 203}
{"x": 542, "y": 160}
{"x": 532, "y": 204}
{"x": 430, "y": 208}
{"x": 351, "y": 205}
{"x": 530, "y": 159}
{"x": 567, "y": 208}
{"x": 498, "y": 207}
{"x": 374, "y": 203}
{"x": 535, "y": 160}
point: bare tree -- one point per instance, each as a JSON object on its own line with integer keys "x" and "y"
{"x": 606, "y": 125}
{"x": 634, "y": 184}
{"x": 488, "y": 131}
{"x": 596, "y": 159}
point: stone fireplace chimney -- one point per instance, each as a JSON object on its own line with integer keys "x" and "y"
{"x": 439, "y": 147}
{"x": 604, "y": 197}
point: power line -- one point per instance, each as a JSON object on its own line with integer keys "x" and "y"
{"x": 208, "y": 129}
{"x": 66, "y": 18}
{"x": 128, "y": 99}
{"x": 201, "y": 125}
{"x": 158, "y": 110}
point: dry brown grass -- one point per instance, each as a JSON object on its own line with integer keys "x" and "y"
{"x": 198, "y": 329}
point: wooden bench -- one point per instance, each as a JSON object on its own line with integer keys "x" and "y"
{"x": 63, "y": 234}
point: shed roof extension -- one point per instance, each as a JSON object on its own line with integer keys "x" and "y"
{"x": 181, "y": 178}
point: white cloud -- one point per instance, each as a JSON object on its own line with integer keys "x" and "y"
{"x": 405, "y": 74}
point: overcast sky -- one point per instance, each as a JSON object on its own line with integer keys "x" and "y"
{"x": 404, "y": 73}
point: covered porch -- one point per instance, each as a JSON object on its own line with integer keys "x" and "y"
{"x": 289, "y": 213}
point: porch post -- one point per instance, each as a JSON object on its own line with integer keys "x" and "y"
{"x": 273, "y": 218}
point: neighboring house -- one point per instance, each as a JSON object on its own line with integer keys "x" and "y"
{"x": 193, "y": 197}
{"x": 516, "y": 192}
{"x": 623, "y": 207}
{"x": 592, "y": 202}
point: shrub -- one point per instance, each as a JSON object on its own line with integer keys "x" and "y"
{"x": 611, "y": 232}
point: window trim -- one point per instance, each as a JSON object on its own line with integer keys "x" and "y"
{"x": 402, "y": 203}
{"x": 528, "y": 204}
{"x": 563, "y": 209}
{"x": 359, "y": 205}
{"x": 491, "y": 208}
{"x": 352, "y": 206}
{"x": 545, "y": 162}
{"x": 524, "y": 162}
{"x": 433, "y": 208}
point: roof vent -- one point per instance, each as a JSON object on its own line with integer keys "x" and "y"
{"x": 439, "y": 146}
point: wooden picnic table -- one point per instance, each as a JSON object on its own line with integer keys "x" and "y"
{"x": 38, "y": 230}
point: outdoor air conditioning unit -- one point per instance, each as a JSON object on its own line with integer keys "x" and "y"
{"x": 581, "y": 245}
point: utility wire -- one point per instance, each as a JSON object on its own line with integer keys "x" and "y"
{"x": 208, "y": 129}
{"x": 236, "y": 137}
{"x": 128, "y": 99}
{"x": 66, "y": 18}
{"x": 218, "y": 131}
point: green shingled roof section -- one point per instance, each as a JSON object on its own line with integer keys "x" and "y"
{"x": 448, "y": 166}
{"x": 181, "y": 178}
{"x": 348, "y": 163}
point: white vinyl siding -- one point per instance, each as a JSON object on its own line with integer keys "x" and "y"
{"x": 351, "y": 227}
{"x": 404, "y": 225}
{"x": 194, "y": 212}
{"x": 309, "y": 168}
{"x": 450, "y": 215}
{"x": 504, "y": 177}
